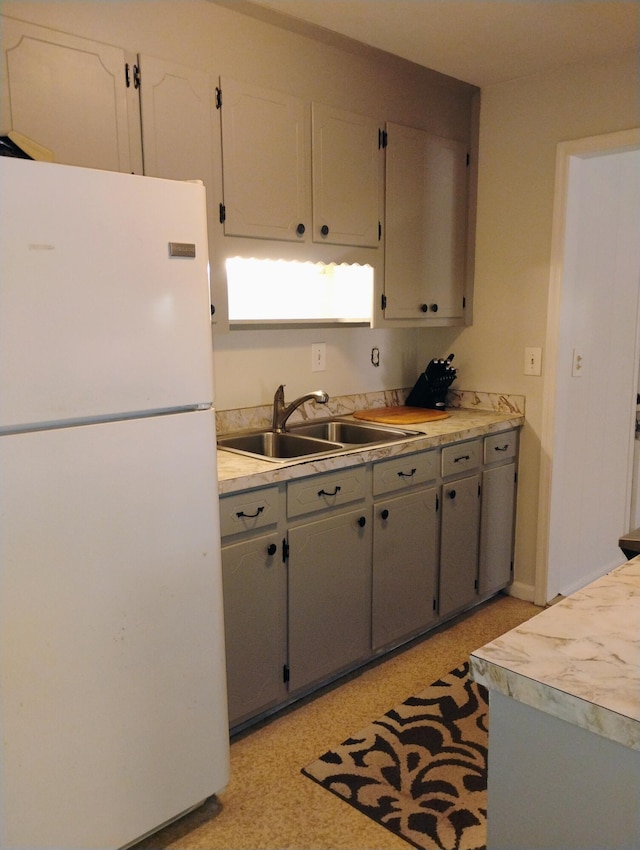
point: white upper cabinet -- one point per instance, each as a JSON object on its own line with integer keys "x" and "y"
{"x": 70, "y": 95}
{"x": 176, "y": 104}
{"x": 347, "y": 178}
{"x": 276, "y": 158}
{"x": 426, "y": 212}
{"x": 266, "y": 163}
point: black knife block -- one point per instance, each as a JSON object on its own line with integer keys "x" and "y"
{"x": 429, "y": 395}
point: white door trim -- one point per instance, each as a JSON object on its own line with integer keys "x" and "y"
{"x": 582, "y": 148}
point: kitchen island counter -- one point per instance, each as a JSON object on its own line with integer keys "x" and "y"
{"x": 237, "y": 472}
{"x": 564, "y": 698}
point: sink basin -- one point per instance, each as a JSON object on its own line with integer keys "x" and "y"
{"x": 350, "y": 433}
{"x": 310, "y": 439}
{"x": 277, "y": 446}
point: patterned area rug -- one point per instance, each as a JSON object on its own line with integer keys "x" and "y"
{"x": 421, "y": 769}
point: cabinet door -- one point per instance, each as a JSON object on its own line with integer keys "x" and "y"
{"x": 329, "y": 596}
{"x": 254, "y": 588}
{"x": 459, "y": 544}
{"x": 266, "y": 154}
{"x": 496, "y": 528}
{"x": 176, "y": 112}
{"x": 70, "y": 95}
{"x": 425, "y": 225}
{"x": 404, "y": 566}
{"x": 347, "y": 178}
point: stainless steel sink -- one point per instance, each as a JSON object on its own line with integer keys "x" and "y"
{"x": 350, "y": 433}
{"x": 272, "y": 445}
{"x": 311, "y": 439}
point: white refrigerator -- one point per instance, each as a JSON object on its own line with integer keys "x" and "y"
{"x": 113, "y": 710}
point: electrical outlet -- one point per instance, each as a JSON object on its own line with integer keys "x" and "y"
{"x": 533, "y": 361}
{"x": 577, "y": 364}
{"x": 318, "y": 356}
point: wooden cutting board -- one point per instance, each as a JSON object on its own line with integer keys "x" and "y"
{"x": 400, "y": 415}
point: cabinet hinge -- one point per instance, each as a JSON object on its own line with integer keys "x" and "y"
{"x": 285, "y": 550}
{"x": 437, "y": 503}
{"x": 285, "y": 673}
{"x": 515, "y": 477}
{"x": 127, "y": 75}
{"x": 383, "y": 301}
{"x": 132, "y": 75}
{"x": 223, "y": 213}
{"x": 479, "y": 490}
{"x": 468, "y": 160}
{"x": 475, "y": 584}
{"x": 511, "y": 566}
{"x": 382, "y": 139}
{"x": 218, "y": 97}
{"x": 435, "y": 604}
{"x": 464, "y": 302}
{"x": 379, "y": 231}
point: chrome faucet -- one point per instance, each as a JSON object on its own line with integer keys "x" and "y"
{"x": 282, "y": 413}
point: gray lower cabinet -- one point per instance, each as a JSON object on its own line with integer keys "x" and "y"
{"x": 329, "y": 596}
{"x": 459, "y": 527}
{"x": 254, "y": 581}
{"x": 497, "y": 524}
{"x": 322, "y": 573}
{"x": 405, "y": 548}
{"x": 254, "y": 587}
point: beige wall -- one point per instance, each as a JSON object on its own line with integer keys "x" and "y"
{"x": 521, "y": 124}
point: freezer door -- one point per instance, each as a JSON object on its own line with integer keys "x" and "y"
{"x": 98, "y": 316}
{"x": 113, "y": 711}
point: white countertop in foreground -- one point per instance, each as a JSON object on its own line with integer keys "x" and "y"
{"x": 578, "y": 660}
{"x": 237, "y": 472}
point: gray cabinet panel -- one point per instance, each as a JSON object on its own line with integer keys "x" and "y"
{"x": 496, "y": 529}
{"x": 404, "y": 566}
{"x": 459, "y": 544}
{"x": 329, "y": 596}
{"x": 255, "y": 592}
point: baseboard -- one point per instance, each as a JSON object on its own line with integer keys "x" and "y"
{"x": 522, "y": 591}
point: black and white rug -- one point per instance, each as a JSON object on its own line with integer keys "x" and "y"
{"x": 421, "y": 769}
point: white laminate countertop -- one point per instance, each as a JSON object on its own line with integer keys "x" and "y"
{"x": 237, "y": 472}
{"x": 578, "y": 660}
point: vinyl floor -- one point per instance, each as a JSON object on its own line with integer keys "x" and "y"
{"x": 270, "y": 805}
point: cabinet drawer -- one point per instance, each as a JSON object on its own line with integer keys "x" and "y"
{"x": 248, "y": 511}
{"x": 389, "y": 476}
{"x": 500, "y": 446}
{"x": 326, "y": 491}
{"x": 460, "y": 457}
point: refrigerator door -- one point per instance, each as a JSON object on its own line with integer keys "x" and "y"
{"x": 97, "y": 317}
{"x": 112, "y": 679}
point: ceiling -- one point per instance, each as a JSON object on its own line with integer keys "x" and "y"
{"x": 479, "y": 41}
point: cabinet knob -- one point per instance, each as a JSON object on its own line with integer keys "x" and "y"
{"x": 384, "y": 514}
{"x": 272, "y": 549}
{"x": 452, "y": 494}
{"x": 424, "y": 308}
{"x": 362, "y": 521}
{"x": 300, "y": 229}
{"x": 213, "y": 309}
{"x": 324, "y": 230}
{"x": 434, "y": 308}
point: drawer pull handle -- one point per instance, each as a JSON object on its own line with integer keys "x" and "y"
{"x": 241, "y": 514}
{"x": 501, "y": 448}
{"x": 272, "y": 549}
{"x": 326, "y": 493}
{"x": 408, "y": 474}
{"x": 462, "y": 457}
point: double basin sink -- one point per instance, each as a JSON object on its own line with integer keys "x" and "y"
{"x": 311, "y": 439}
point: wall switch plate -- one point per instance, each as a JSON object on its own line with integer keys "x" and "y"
{"x": 533, "y": 361}
{"x": 318, "y": 356}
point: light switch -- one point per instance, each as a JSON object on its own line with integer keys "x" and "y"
{"x": 533, "y": 361}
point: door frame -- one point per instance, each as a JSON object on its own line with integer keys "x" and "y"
{"x": 591, "y": 146}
